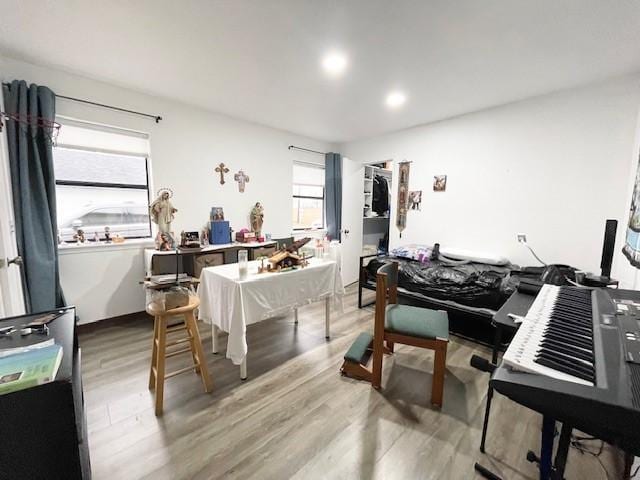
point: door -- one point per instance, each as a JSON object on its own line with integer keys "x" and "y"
{"x": 12, "y": 302}
{"x": 352, "y": 215}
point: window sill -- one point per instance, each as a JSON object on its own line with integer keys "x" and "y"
{"x": 90, "y": 247}
{"x": 314, "y": 232}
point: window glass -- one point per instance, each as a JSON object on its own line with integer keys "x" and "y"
{"x": 86, "y": 166}
{"x": 308, "y": 197}
{"x": 100, "y": 184}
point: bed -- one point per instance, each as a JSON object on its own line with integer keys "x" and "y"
{"x": 470, "y": 288}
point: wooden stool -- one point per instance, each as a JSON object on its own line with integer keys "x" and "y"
{"x": 157, "y": 374}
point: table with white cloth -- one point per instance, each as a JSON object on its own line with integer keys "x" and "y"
{"x": 231, "y": 304}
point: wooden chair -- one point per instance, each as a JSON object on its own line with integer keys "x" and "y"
{"x": 418, "y": 327}
{"x": 159, "y": 353}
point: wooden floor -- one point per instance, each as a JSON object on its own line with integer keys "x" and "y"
{"x": 296, "y": 416}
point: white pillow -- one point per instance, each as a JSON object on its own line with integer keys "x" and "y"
{"x": 478, "y": 257}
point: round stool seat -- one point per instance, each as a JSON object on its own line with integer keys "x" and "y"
{"x": 155, "y": 310}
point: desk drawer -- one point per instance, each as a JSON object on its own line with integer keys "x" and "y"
{"x": 206, "y": 260}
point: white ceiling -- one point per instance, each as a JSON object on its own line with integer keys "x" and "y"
{"x": 260, "y": 60}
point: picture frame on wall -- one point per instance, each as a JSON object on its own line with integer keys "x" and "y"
{"x": 439, "y": 183}
{"x": 415, "y": 200}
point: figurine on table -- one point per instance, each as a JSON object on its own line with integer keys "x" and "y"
{"x": 257, "y": 218}
{"x": 164, "y": 242}
{"x": 79, "y": 236}
{"x": 162, "y": 211}
{"x": 107, "y": 234}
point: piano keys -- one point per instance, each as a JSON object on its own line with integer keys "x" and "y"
{"x": 556, "y": 336}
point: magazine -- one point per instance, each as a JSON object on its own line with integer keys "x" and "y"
{"x": 30, "y": 366}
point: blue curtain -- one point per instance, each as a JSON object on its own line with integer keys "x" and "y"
{"x": 34, "y": 191}
{"x": 333, "y": 194}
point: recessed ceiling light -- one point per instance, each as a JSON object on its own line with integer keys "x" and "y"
{"x": 334, "y": 63}
{"x": 396, "y": 99}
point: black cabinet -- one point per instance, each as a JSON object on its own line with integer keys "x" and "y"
{"x": 43, "y": 430}
{"x": 191, "y": 263}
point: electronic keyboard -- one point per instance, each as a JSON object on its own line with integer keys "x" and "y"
{"x": 576, "y": 358}
{"x": 556, "y": 336}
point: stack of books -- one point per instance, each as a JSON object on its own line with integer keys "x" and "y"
{"x": 29, "y": 366}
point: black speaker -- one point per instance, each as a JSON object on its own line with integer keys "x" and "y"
{"x": 608, "y": 247}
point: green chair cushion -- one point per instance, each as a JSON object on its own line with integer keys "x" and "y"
{"x": 357, "y": 353}
{"x": 417, "y": 322}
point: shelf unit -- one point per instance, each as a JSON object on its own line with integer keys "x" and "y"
{"x": 373, "y": 231}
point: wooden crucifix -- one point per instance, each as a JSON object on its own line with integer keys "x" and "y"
{"x": 242, "y": 179}
{"x": 221, "y": 169}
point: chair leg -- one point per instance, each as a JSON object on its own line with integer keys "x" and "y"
{"x": 378, "y": 355}
{"x": 439, "y": 367}
{"x": 154, "y": 355}
{"x": 197, "y": 346}
{"x": 160, "y": 361}
{"x": 192, "y": 345}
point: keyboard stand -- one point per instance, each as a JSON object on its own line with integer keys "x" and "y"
{"x": 551, "y": 469}
{"x": 518, "y": 304}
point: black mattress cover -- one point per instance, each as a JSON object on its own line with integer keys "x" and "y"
{"x": 472, "y": 284}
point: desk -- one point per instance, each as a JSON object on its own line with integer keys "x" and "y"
{"x": 221, "y": 254}
{"x": 43, "y": 429}
{"x": 231, "y": 304}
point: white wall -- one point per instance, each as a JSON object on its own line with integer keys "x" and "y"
{"x": 186, "y": 146}
{"x": 552, "y": 167}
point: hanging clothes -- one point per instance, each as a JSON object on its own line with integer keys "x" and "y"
{"x": 380, "y": 203}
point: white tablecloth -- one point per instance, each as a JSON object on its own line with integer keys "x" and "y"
{"x": 232, "y": 304}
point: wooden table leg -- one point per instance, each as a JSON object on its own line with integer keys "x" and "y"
{"x": 214, "y": 338}
{"x": 327, "y": 317}
{"x": 243, "y": 369}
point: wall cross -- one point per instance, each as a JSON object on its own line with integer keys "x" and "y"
{"x": 242, "y": 179}
{"x": 221, "y": 169}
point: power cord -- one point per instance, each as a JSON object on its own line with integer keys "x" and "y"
{"x": 576, "y": 442}
{"x": 524, "y": 242}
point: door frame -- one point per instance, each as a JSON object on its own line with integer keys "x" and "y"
{"x": 12, "y": 297}
{"x": 355, "y": 235}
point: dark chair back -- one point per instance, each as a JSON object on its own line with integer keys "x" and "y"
{"x": 386, "y": 290}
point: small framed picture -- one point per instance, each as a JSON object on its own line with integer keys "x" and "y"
{"x": 439, "y": 183}
{"x": 217, "y": 214}
{"x": 415, "y": 200}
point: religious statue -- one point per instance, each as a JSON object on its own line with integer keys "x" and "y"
{"x": 257, "y": 218}
{"x": 79, "y": 236}
{"x": 162, "y": 211}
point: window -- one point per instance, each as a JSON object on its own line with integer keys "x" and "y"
{"x": 101, "y": 181}
{"x": 308, "y": 196}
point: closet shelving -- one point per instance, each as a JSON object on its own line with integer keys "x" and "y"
{"x": 375, "y": 227}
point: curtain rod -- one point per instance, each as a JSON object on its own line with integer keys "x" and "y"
{"x": 157, "y": 118}
{"x": 306, "y": 150}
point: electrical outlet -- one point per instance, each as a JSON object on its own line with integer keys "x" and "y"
{"x": 522, "y": 238}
